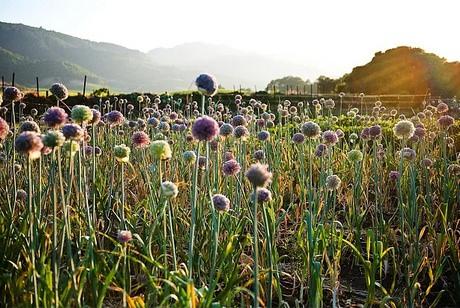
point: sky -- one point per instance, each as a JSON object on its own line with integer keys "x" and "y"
{"x": 331, "y": 35}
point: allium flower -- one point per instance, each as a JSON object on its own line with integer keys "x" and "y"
{"x": 263, "y": 135}
{"x": 263, "y": 195}
{"x": 394, "y": 175}
{"x": 59, "y": 91}
{"x": 259, "y": 155}
{"x": 73, "y": 131}
{"x": 258, "y": 175}
{"x": 231, "y": 167}
{"x": 340, "y": 134}
{"x": 12, "y": 94}
{"x": 121, "y": 153}
{"x": 81, "y": 114}
{"x": 207, "y": 84}
{"x": 408, "y": 153}
{"x": 30, "y": 144}
{"x": 239, "y": 120}
{"x": 445, "y": 121}
{"x": 426, "y": 162}
{"x": 329, "y": 103}
{"x": 404, "y": 129}
{"x": 164, "y": 126}
{"x": 221, "y": 203}
{"x": 160, "y": 150}
{"x": 115, "y": 118}
{"x": 298, "y": 138}
{"x": 55, "y": 117}
{"x": 96, "y": 117}
{"x": 442, "y": 108}
{"x": 454, "y": 169}
{"x": 140, "y": 140}
{"x": 189, "y": 157}
{"x": 311, "y": 130}
{"x": 375, "y": 132}
{"x": 4, "y": 129}
{"x": 205, "y": 128}
{"x": 53, "y": 139}
{"x": 333, "y": 182}
{"x": 21, "y": 195}
{"x": 169, "y": 189}
{"x": 228, "y": 155}
{"x": 152, "y": 121}
{"x": 241, "y": 132}
{"x": 124, "y": 236}
{"x": 330, "y": 138}
{"x": 321, "y": 150}
{"x": 29, "y": 126}
{"x": 226, "y": 130}
{"x": 355, "y": 156}
{"x": 353, "y": 137}
{"x": 420, "y": 132}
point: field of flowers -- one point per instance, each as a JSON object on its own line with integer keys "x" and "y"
{"x": 141, "y": 204}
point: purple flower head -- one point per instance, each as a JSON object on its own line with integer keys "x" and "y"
{"x": 55, "y": 117}
{"x": 96, "y": 117}
{"x": 263, "y": 195}
{"x": 298, "y": 138}
{"x": 115, "y": 118}
{"x": 231, "y": 167}
{"x": 59, "y": 91}
{"x": 259, "y": 155}
{"x": 241, "y": 132}
{"x": 420, "y": 132}
{"x": 29, "y": 143}
{"x": 12, "y": 94}
{"x": 375, "y": 132}
{"x": 239, "y": 120}
{"x": 207, "y": 84}
{"x": 365, "y": 133}
{"x": 321, "y": 150}
{"x": 263, "y": 135}
{"x": 330, "y": 137}
{"x": 205, "y": 128}
{"x": 394, "y": 175}
{"x": 221, "y": 203}
{"x": 4, "y": 129}
{"x": 73, "y": 131}
{"x": 228, "y": 155}
{"x": 445, "y": 121}
{"x": 124, "y": 236}
{"x": 258, "y": 175}
{"x": 226, "y": 130}
{"x": 140, "y": 140}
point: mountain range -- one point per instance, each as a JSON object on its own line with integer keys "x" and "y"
{"x": 55, "y": 57}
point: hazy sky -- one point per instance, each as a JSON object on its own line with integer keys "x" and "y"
{"x": 331, "y": 35}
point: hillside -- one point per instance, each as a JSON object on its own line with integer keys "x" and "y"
{"x": 53, "y": 56}
{"x": 405, "y": 70}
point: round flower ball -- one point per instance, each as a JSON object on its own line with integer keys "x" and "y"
{"x": 189, "y": 157}
{"x": 404, "y": 129}
{"x": 12, "y": 94}
{"x": 205, "y": 128}
{"x": 115, "y": 118}
{"x": 258, "y": 175}
{"x": 55, "y": 117}
{"x": 140, "y": 140}
{"x": 96, "y": 117}
{"x": 311, "y": 130}
{"x": 81, "y": 114}
{"x": 59, "y": 91}
{"x": 160, "y": 150}
{"x": 30, "y": 144}
{"x": 207, "y": 84}
{"x": 333, "y": 182}
{"x": 226, "y": 130}
{"x": 53, "y": 139}
{"x": 445, "y": 121}
{"x": 124, "y": 236}
{"x": 4, "y": 129}
{"x": 169, "y": 189}
{"x": 263, "y": 195}
{"x": 298, "y": 138}
{"x": 29, "y": 126}
{"x": 330, "y": 137}
{"x": 355, "y": 156}
{"x": 231, "y": 167}
{"x": 73, "y": 131}
{"x": 221, "y": 203}
{"x": 121, "y": 153}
